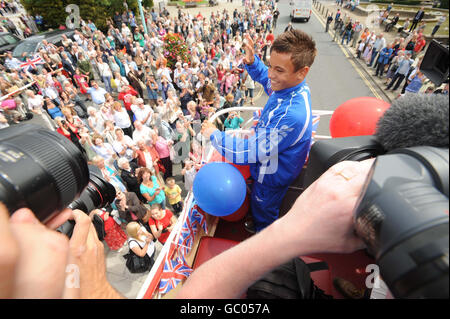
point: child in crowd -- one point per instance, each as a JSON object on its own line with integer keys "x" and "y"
{"x": 173, "y": 193}
{"x": 233, "y": 121}
{"x": 189, "y": 171}
{"x": 361, "y": 46}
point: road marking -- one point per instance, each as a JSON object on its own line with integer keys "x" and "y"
{"x": 363, "y": 77}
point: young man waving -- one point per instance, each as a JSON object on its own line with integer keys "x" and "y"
{"x": 278, "y": 149}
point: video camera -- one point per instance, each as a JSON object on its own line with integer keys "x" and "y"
{"x": 402, "y": 214}
{"x": 46, "y": 172}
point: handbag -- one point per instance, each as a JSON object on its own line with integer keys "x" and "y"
{"x": 137, "y": 264}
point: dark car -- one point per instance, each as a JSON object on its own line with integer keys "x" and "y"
{"x": 32, "y": 44}
{"x": 8, "y": 42}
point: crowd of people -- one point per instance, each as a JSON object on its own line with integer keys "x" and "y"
{"x": 113, "y": 95}
{"x": 16, "y": 21}
{"x": 397, "y": 62}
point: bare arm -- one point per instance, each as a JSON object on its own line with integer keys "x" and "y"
{"x": 319, "y": 207}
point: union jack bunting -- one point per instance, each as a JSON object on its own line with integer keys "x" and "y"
{"x": 189, "y": 230}
{"x": 174, "y": 272}
{"x": 199, "y": 217}
{"x": 187, "y": 235}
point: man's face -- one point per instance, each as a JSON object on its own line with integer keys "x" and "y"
{"x": 282, "y": 73}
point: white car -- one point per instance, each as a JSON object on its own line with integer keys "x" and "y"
{"x": 301, "y": 10}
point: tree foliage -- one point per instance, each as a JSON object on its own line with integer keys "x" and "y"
{"x": 54, "y": 14}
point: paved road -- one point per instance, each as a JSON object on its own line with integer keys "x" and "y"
{"x": 332, "y": 78}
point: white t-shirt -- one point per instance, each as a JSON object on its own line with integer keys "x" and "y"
{"x": 141, "y": 114}
{"x": 122, "y": 119}
{"x": 118, "y": 147}
{"x": 143, "y": 134}
{"x": 36, "y": 103}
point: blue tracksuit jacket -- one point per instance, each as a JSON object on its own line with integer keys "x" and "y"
{"x": 278, "y": 149}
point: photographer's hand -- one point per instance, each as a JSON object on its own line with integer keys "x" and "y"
{"x": 321, "y": 220}
{"x": 32, "y": 257}
{"x": 87, "y": 255}
{"x": 328, "y": 205}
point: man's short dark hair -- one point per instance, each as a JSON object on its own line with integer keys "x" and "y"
{"x": 300, "y": 45}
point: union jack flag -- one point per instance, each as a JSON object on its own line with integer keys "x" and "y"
{"x": 189, "y": 230}
{"x": 199, "y": 218}
{"x": 31, "y": 63}
{"x": 174, "y": 272}
{"x": 187, "y": 235}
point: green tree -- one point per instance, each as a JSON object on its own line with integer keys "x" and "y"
{"x": 52, "y": 11}
{"x": 98, "y": 11}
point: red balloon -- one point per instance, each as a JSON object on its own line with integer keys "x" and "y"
{"x": 240, "y": 213}
{"x": 358, "y": 116}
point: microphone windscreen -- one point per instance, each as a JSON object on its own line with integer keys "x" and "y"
{"x": 415, "y": 120}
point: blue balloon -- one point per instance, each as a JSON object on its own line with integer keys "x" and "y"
{"x": 219, "y": 189}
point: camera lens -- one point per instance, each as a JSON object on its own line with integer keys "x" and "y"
{"x": 98, "y": 193}
{"x": 39, "y": 169}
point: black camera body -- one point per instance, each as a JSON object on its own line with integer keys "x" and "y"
{"x": 46, "y": 172}
{"x": 402, "y": 213}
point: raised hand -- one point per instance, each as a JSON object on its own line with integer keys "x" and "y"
{"x": 249, "y": 48}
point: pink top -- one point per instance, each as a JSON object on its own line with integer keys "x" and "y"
{"x": 229, "y": 80}
{"x": 162, "y": 147}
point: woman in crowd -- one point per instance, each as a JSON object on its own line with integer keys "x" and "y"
{"x": 72, "y": 118}
{"x": 150, "y": 188}
{"x": 51, "y": 108}
{"x": 163, "y": 146}
{"x": 108, "y": 173}
{"x": 161, "y": 222}
{"x": 105, "y": 150}
{"x": 35, "y": 102}
{"x": 147, "y": 156}
{"x": 139, "y": 240}
{"x": 95, "y": 120}
{"x": 122, "y": 119}
{"x": 124, "y": 145}
{"x": 129, "y": 207}
{"x": 128, "y": 176}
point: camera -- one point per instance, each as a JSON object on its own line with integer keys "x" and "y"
{"x": 46, "y": 172}
{"x": 402, "y": 212}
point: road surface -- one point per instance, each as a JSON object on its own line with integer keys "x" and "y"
{"x": 333, "y": 78}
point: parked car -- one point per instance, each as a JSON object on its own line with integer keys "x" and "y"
{"x": 28, "y": 47}
{"x": 8, "y": 42}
